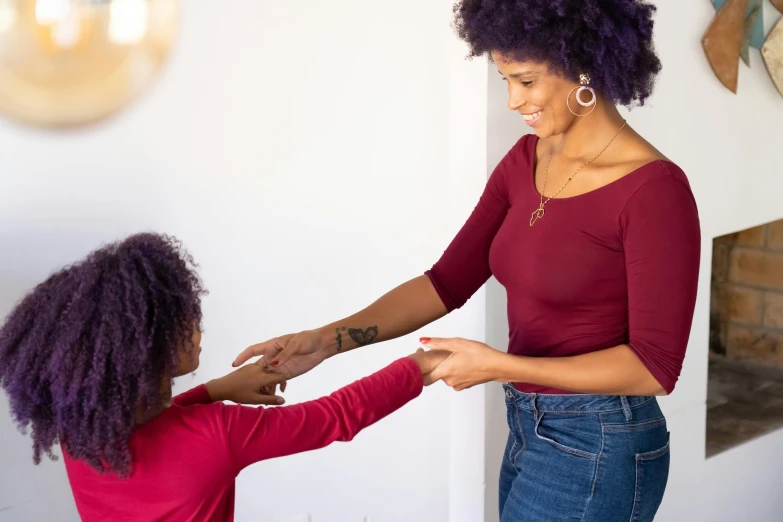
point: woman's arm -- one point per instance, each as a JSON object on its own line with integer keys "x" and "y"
{"x": 614, "y": 371}
{"x": 399, "y": 312}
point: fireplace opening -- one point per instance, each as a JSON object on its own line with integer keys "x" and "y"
{"x": 745, "y": 379}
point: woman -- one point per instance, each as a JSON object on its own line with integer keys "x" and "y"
{"x": 595, "y": 236}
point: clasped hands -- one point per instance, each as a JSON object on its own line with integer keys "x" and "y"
{"x": 467, "y": 364}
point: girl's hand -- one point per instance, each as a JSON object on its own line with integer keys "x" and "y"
{"x": 428, "y": 361}
{"x": 251, "y": 384}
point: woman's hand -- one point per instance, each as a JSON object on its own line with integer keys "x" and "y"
{"x": 469, "y": 364}
{"x": 268, "y": 349}
{"x": 289, "y": 355}
{"x": 251, "y": 384}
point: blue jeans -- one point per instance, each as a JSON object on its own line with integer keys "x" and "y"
{"x": 587, "y": 458}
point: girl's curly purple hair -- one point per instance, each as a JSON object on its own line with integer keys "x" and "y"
{"x": 96, "y": 340}
{"x": 610, "y": 40}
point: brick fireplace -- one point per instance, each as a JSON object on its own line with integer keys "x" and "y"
{"x": 745, "y": 384}
{"x": 746, "y": 309}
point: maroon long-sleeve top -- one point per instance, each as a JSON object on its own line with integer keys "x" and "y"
{"x": 618, "y": 265}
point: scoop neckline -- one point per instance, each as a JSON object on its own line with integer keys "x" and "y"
{"x": 532, "y": 177}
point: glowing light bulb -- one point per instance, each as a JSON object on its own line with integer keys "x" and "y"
{"x": 128, "y": 21}
{"x": 73, "y": 62}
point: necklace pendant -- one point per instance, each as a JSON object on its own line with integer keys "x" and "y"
{"x": 536, "y": 215}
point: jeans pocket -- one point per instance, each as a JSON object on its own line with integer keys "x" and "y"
{"x": 652, "y": 474}
{"x": 573, "y": 433}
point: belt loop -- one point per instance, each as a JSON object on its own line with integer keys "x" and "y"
{"x": 533, "y": 406}
{"x": 626, "y": 408}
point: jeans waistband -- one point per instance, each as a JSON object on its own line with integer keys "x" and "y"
{"x": 577, "y": 403}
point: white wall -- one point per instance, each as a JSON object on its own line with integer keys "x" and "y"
{"x": 730, "y": 148}
{"x": 303, "y": 153}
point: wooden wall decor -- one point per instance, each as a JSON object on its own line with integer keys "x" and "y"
{"x": 737, "y": 27}
{"x": 754, "y": 26}
{"x": 723, "y": 41}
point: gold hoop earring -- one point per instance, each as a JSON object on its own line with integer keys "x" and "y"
{"x": 584, "y": 81}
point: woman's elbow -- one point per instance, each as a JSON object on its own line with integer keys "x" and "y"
{"x": 646, "y": 383}
{"x": 651, "y": 387}
{"x": 660, "y": 392}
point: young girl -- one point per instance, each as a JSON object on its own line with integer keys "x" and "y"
{"x": 88, "y": 357}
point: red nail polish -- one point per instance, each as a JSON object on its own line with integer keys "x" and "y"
{"x": 274, "y": 363}
{"x": 424, "y": 340}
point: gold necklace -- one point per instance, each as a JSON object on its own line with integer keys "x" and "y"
{"x": 539, "y": 212}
